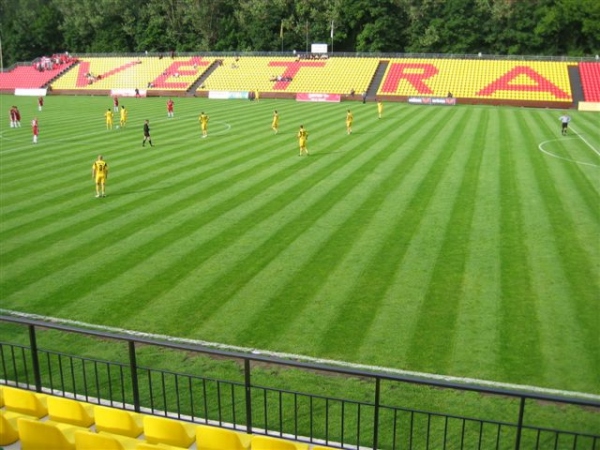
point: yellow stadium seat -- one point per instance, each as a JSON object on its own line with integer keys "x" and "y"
{"x": 70, "y": 411}
{"x": 118, "y": 421}
{"x": 87, "y": 440}
{"x": 38, "y": 435}
{"x": 1, "y": 397}
{"x": 8, "y": 429}
{"x": 271, "y": 443}
{"x": 146, "y": 446}
{"x": 161, "y": 430}
{"x": 25, "y": 402}
{"x": 215, "y": 438}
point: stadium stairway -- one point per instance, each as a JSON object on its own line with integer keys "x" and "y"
{"x": 61, "y": 73}
{"x": 191, "y": 91}
{"x": 576, "y": 88}
{"x": 377, "y": 79}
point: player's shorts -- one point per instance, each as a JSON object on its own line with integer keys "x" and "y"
{"x": 100, "y": 178}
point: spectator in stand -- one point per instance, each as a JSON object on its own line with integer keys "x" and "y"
{"x": 35, "y": 130}
{"x": 40, "y": 103}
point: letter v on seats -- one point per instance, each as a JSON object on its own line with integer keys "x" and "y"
{"x": 84, "y": 68}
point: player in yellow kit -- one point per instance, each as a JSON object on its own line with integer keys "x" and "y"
{"x": 302, "y": 138}
{"x": 99, "y": 175}
{"x": 109, "y": 119}
{"x": 123, "y": 120}
{"x": 349, "y": 120}
{"x": 203, "y": 124}
{"x": 379, "y": 109}
{"x": 275, "y": 123}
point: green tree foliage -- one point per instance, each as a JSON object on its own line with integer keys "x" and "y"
{"x": 29, "y": 29}
{"x": 32, "y": 28}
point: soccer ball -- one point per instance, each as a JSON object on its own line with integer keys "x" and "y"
{"x": 117, "y": 127}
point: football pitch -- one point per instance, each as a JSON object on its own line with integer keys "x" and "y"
{"x": 460, "y": 241}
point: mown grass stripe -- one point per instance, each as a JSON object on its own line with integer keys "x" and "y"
{"x": 441, "y": 303}
{"x": 519, "y": 322}
{"x": 477, "y": 324}
{"x": 340, "y": 260}
{"x": 391, "y": 248}
{"x": 336, "y": 222}
{"x": 289, "y": 232}
{"x": 547, "y": 215}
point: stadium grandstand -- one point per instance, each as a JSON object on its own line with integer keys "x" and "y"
{"x": 516, "y": 81}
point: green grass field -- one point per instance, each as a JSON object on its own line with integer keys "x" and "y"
{"x": 460, "y": 241}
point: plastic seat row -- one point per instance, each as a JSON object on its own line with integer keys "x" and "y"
{"x": 42, "y": 422}
{"x": 527, "y": 80}
{"x": 334, "y": 75}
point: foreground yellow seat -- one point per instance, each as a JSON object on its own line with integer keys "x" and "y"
{"x": 87, "y": 440}
{"x": 215, "y": 438}
{"x": 146, "y": 446}
{"x": 8, "y": 429}
{"x": 1, "y": 397}
{"x": 271, "y": 443}
{"x": 25, "y": 402}
{"x": 71, "y": 411}
{"x": 118, "y": 421}
{"x": 38, "y": 435}
{"x": 161, "y": 430}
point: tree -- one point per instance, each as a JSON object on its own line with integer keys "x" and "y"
{"x": 29, "y": 30}
{"x": 374, "y": 25}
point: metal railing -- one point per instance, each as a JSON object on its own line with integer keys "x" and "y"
{"x": 259, "y": 394}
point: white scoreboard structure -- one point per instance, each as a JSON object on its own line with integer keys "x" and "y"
{"x": 318, "y": 48}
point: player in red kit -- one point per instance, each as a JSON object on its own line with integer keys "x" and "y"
{"x": 115, "y": 104}
{"x": 13, "y": 116}
{"x": 170, "y": 106}
{"x": 35, "y": 129}
{"x": 17, "y": 117}
{"x": 40, "y": 103}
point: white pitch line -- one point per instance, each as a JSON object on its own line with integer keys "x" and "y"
{"x": 543, "y": 150}
{"x": 308, "y": 359}
{"x": 586, "y": 141}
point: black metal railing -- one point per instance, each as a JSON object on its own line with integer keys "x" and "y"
{"x": 308, "y": 402}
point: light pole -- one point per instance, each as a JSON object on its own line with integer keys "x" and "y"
{"x": 1, "y": 60}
